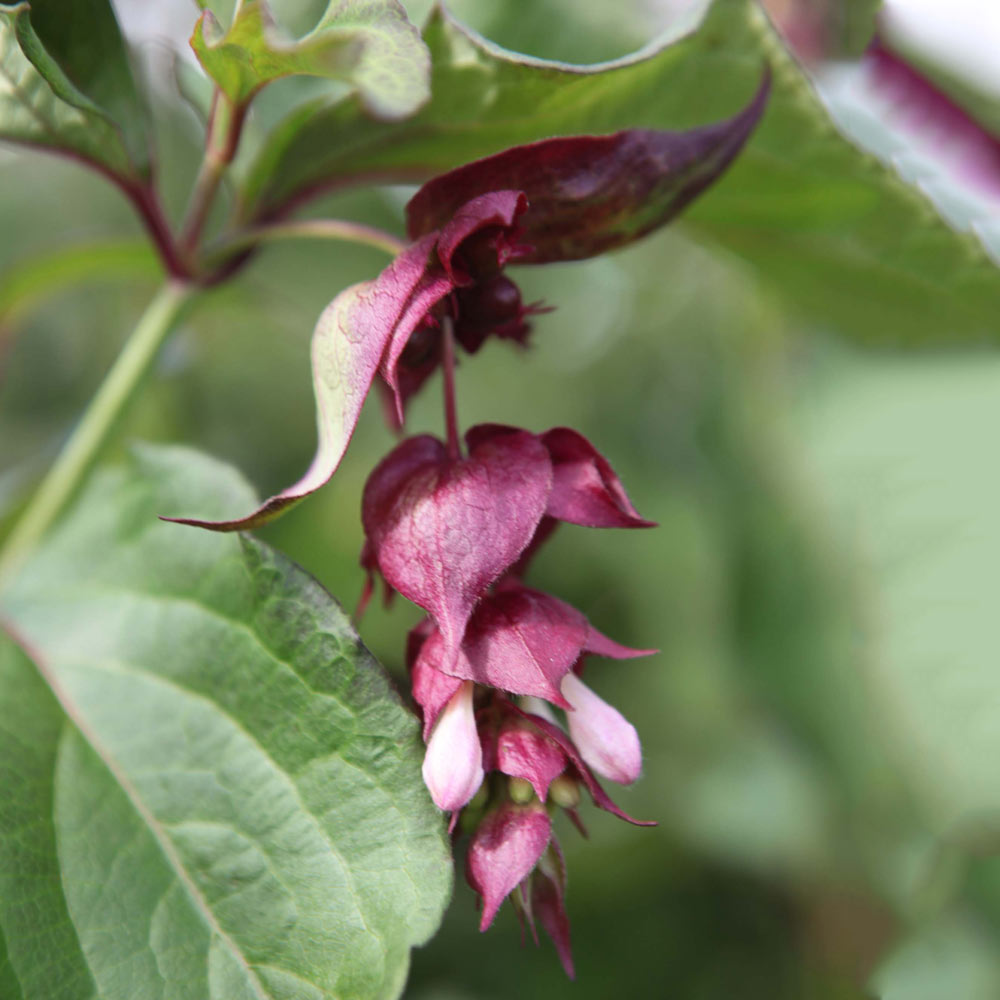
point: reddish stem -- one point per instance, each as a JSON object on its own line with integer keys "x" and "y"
{"x": 147, "y": 203}
{"x": 450, "y": 407}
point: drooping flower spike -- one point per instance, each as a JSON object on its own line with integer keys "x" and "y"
{"x": 495, "y": 660}
{"x": 558, "y": 199}
{"x": 494, "y": 657}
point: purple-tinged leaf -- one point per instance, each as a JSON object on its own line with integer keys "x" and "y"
{"x": 347, "y": 347}
{"x": 503, "y": 851}
{"x": 590, "y": 194}
{"x": 585, "y": 489}
{"x": 601, "y": 798}
{"x": 443, "y": 531}
{"x": 366, "y": 329}
{"x": 453, "y": 764}
{"x": 523, "y": 752}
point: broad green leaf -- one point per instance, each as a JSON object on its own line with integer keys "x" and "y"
{"x": 903, "y": 455}
{"x": 838, "y": 233}
{"x": 40, "y": 106}
{"x": 369, "y": 45}
{"x": 235, "y": 795}
{"x": 43, "y": 953}
{"x": 84, "y": 38}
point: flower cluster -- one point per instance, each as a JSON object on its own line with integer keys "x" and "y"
{"x": 453, "y": 530}
{"x": 453, "y": 535}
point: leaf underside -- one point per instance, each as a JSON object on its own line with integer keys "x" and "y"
{"x": 66, "y": 86}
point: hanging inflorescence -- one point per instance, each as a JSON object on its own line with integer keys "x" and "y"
{"x": 496, "y": 667}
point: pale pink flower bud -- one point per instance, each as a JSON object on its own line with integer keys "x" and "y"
{"x": 453, "y": 764}
{"x": 607, "y": 741}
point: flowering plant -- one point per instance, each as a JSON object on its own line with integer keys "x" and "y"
{"x": 209, "y": 787}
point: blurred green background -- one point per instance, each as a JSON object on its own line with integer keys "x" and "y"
{"x": 822, "y": 724}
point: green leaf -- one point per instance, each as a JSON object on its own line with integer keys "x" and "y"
{"x": 84, "y": 38}
{"x": 369, "y": 45}
{"x": 839, "y": 234}
{"x": 43, "y": 954}
{"x": 234, "y": 798}
{"x": 902, "y": 452}
{"x": 40, "y": 105}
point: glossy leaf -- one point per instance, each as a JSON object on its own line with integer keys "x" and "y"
{"x": 839, "y": 234}
{"x": 227, "y": 800}
{"x": 369, "y": 45}
{"x": 66, "y": 85}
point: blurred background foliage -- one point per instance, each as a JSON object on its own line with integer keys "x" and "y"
{"x": 822, "y": 724}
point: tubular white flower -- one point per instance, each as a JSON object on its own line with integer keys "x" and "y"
{"x": 607, "y": 741}
{"x": 453, "y": 764}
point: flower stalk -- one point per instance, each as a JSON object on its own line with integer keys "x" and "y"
{"x": 450, "y": 401}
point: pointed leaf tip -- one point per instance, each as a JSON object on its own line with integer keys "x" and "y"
{"x": 588, "y": 194}
{"x": 585, "y": 489}
{"x": 347, "y": 346}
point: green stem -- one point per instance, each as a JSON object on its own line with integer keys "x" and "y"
{"x": 225, "y": 126}
{"x": 96, "y": 426}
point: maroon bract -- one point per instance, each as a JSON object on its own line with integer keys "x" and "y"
{"x": 427, "y": 517}
{"x": 591, "y": 193}
{"x": 600, "y": 797}
{"x": 368, "y": 327}
{"x": 585, "y": 489}
{"x": 503, "y": 850}
{"x": 524, "y": 642}
{"x": 487, "y": 222}
{"x": 559, "y": 199}
{"x": 523, "y": 752}
{"x": 546, "y": 901}
{"x": 432, "y": 689}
